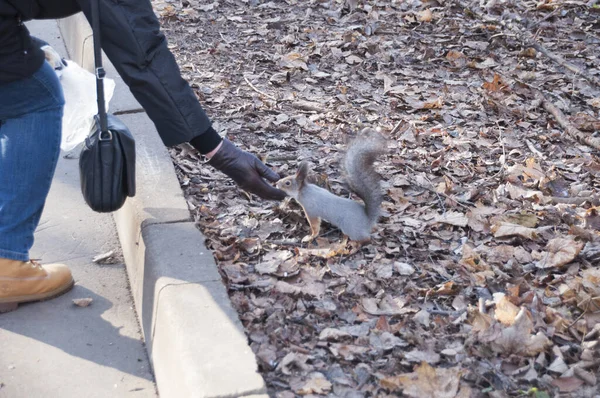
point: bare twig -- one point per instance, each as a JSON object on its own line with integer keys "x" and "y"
{"x": 396, "y": 127}
{"x": 283, "y": 157}
{"x": 562, "y": 62}
{"x": 380, "y": 313}
{"x": 527, "y": 39}
{"x": 547, "y": 17}
{"x": 283, "y": 243}
{"x": 258, "y": 91}
{"x": 447, "y": 313}
{"x": 594, "y": 332}
{"x": 308, "y": 106}
{"x": 584, "y": 375}
{"x": 503, "y": 157}
{"x": 534, "y": 150}
{"x": 577, "y": 319}
{"x": 565, "y": 123}
{"x": 481, "y": 305}
{"x": 590, "y": 364}
{"x": 465, "y": 204}
{"x": 576, "y": 201}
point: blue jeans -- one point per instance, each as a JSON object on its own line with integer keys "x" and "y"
{"x": 30, "y": 131}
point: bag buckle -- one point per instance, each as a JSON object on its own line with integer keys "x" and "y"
{"x": 108, "y": 137}
{"x": 100, "y": 73}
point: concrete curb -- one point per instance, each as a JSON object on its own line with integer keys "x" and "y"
{"x": 194, "y": 338}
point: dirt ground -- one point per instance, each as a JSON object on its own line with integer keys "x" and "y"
{"x": 482, "y": 276}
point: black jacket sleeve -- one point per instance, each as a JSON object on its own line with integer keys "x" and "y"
{"x": 131, "y": 38}
{"x": 40, "y": 9}
{"x": 54, "y": 9}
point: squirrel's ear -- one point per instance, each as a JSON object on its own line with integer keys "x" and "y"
{"x": 302, "y": 172}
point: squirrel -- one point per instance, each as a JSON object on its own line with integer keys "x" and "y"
{"x": 353, "y": 218}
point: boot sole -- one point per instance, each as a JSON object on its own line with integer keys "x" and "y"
{"x": 11, "y": 304}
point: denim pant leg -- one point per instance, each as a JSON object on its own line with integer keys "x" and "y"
{"x": 30, "y": 131}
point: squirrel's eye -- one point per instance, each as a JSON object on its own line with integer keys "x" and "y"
{"x": 288, "y": 183}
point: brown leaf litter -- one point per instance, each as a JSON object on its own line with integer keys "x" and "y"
{"x": 482, "y": 275}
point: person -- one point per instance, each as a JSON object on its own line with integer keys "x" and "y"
{"x": 31, "y": 108}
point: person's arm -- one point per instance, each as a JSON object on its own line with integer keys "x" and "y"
{"x": 43, "y": 9}
{"x": 132, "y": 40}
{"x": 55, "y": 9}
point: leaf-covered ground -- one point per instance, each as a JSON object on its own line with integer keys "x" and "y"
{"x": 482, "y": 277}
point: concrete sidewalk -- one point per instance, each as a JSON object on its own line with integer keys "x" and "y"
{"x": 53, "y": 348}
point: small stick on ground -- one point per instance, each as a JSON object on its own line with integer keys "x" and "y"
{"x": 446, "y": 313}
{"x": 283, "y": 243}
{"x": 576, "y": 200}
{"x": 589, "y": 378}
{"x": 528, "y": 40}
{"x": 589, "y": 364}
{"x": 562, "y": 62}
{"x": 565, "y": 123}
{"x": 463, "y": 203}
{"x": 258, "y": 91}
{"x": 532, "y": 149}
{"x": 396, "y": 127}
{"x": 481, "y": 305}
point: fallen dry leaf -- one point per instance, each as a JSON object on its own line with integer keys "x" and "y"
{"x": 385, "y": 306}
{"x": 293, "y": 60}
{"x": 454, "y": 96}
{"x": 325, "y": 252}
{"x": 496, "y": 85}
{"x": 525, "y": 220}
{"x": 272, "y": 261}
{"x": 435, "y": 104}
{"x": 104, "y": 256}
{"x": 425, "y": 15}
{"x": 445, "y": 288}
{"x": 331, "y": 334}
{"x": 83, "y": 302}
{"x": 404, "y": 268}
{"x": 422, "y": 317}
{"x": 518, "y": 338}
{"x": 567, "y": 384}
{"x": 558, "y": 366}
{"x": 422, "y": 356}
{"x": 384, "y": 271}
{"x": 291, "y": 361}
{"x": 595, "y": 102}
{"x": 503, "y": 230}
{"x": 316, "y": 384}
{"x": 456, "y": 58}
{"x": 506, "y": 311}
{"x": 310, "y": 289}
{"x": 559, "y": 252}
{"x": 348, "y": 352}
{"x": 453, "y": 218}
{"x": 427, "y": 382}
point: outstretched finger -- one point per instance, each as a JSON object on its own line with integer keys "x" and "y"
{"x": 265, "y": 171}
{"x": 266, "y": 191}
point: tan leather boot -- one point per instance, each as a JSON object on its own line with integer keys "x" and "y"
{"x": 22, "y": 282}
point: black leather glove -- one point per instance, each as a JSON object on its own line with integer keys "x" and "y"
{"x": 246, "y": 170}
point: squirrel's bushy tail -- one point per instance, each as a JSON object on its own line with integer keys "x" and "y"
{"x": 360, "y": 173}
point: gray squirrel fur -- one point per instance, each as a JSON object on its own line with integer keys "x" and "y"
{"x": 353, "y": 218}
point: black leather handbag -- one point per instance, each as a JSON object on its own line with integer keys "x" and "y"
{"x": 107, "y": 160}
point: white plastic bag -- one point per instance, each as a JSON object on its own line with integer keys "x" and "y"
{"x": 79, "y": 87}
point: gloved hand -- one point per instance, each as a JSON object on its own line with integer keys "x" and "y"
{"x": 246, "y": 170}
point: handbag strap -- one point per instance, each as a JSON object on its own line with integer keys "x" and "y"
{"x": 100, "y": 72}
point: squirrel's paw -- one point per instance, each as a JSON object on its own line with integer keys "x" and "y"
{"x": 308, "y": 239}
{"x": 285, "y": 203}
